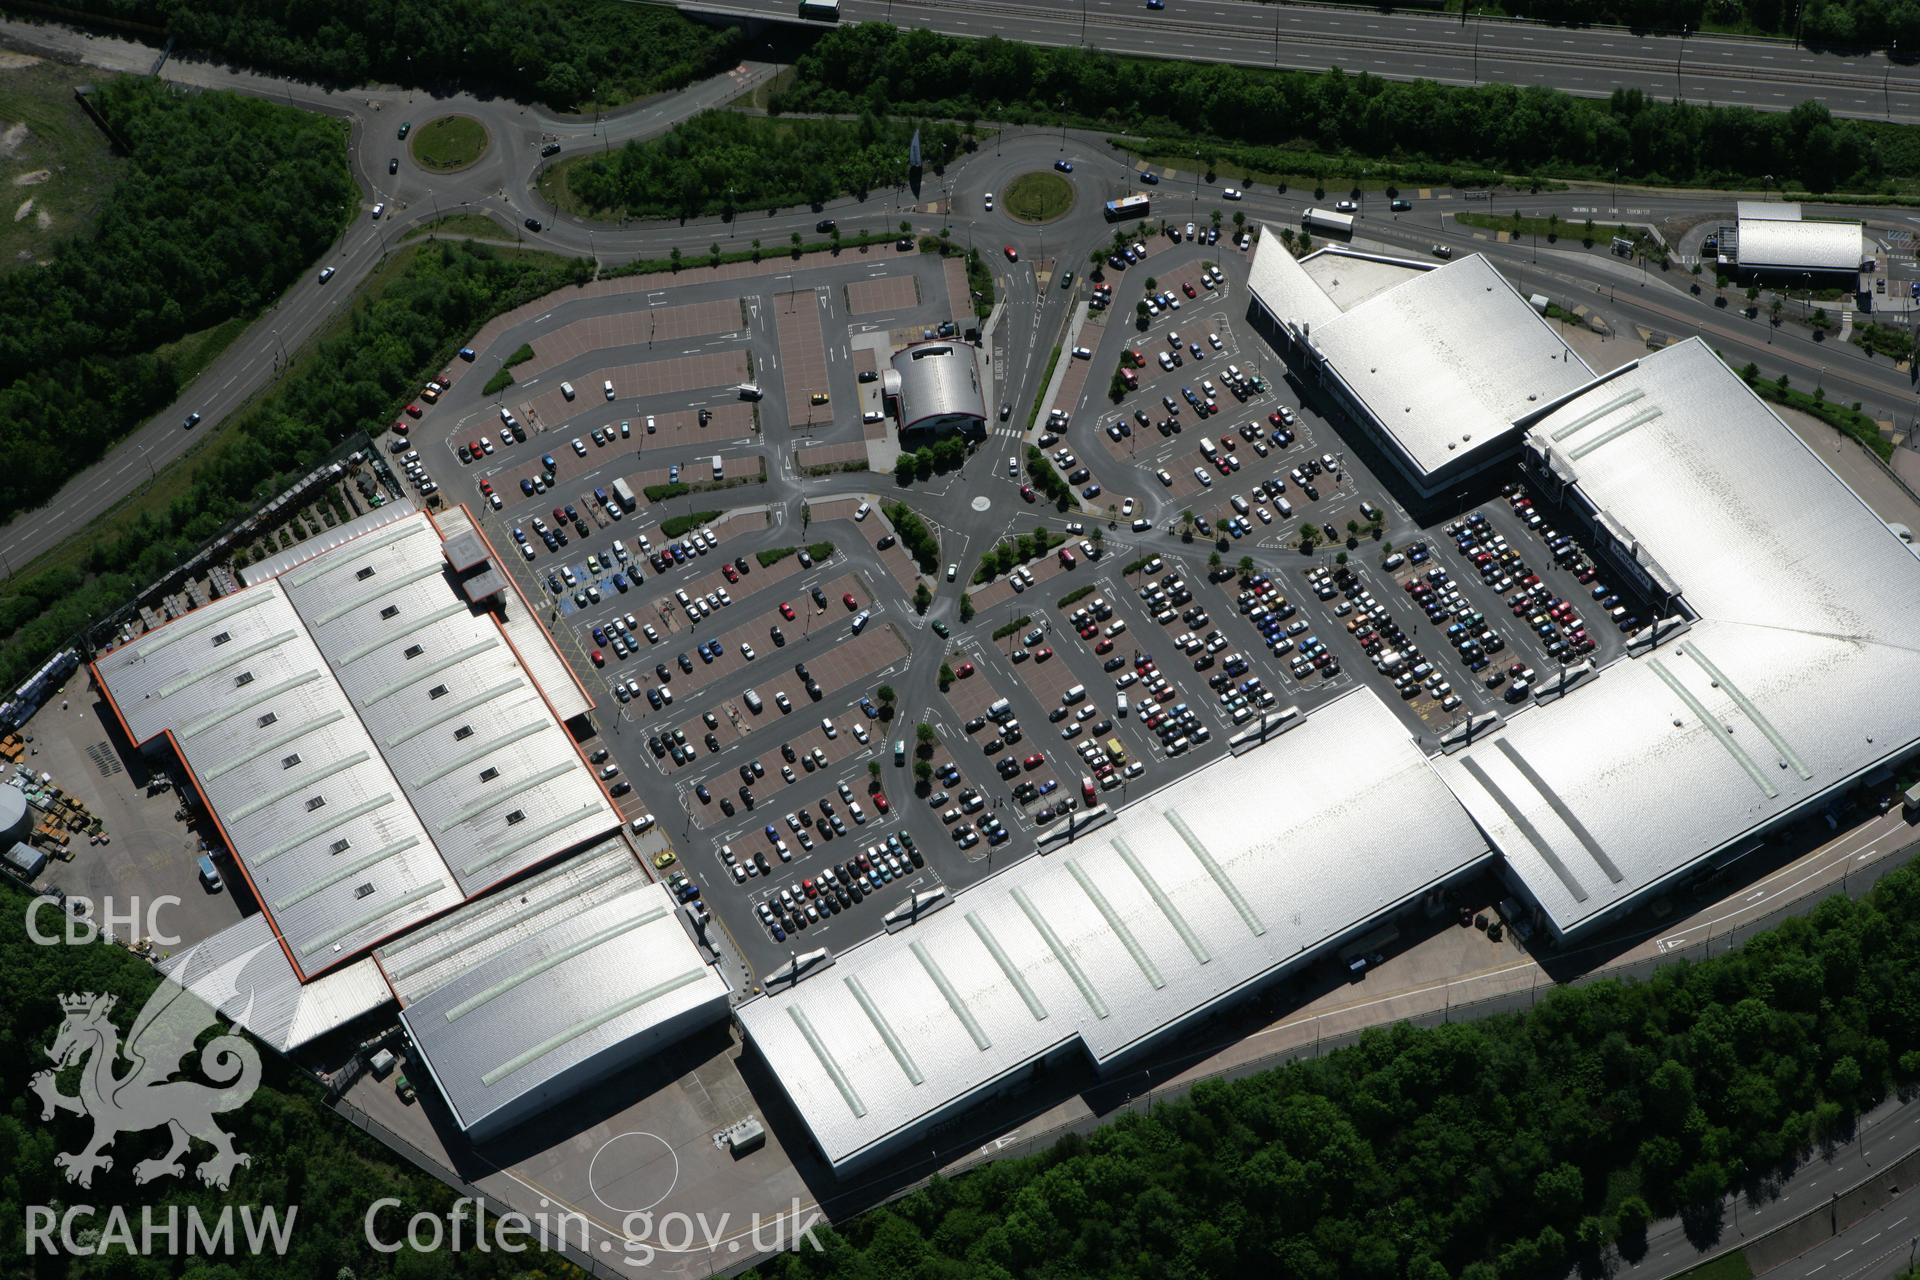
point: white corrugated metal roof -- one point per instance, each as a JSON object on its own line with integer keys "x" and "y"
{"x": 321, "y": 826}
{"x": 1797, "y": 676}
{"x": 937, "y": 380}
{"x": 433, "y": 955}
{"x": 585, "y": 983}
{"x": 1280, "y": 284}
{"x": 529, "y": 637}
{"x": 1767, "y": 210}
{"x": 362, "y": 789}
{"x": 1445, "y": 362}
{"x": 442, "y": 690}
{"x": 242, "y": 972}
{"x": 1190, "y": 894}
{"x": 300, "y": 552}
{"x": 1800, "y": 246}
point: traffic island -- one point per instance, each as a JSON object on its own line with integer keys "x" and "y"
{"x": 449, "y": 144}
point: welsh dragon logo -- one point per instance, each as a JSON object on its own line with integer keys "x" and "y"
{"x": 144, "y": 1095}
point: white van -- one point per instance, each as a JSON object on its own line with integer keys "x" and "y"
{"x": 1240, "y": 504}
{"x": 1013, "y": 466}
{"x": 1284, "y": 507}
{"x": 566, "y": 389}
{"x": 752, "y": 698}
{"x": 1206, "y": 447}
{"x": 1120, "y": 709}
{"x": 719, "y": 468}
{"x": 749, "y": 390}
{"x": 1076, "y": 694}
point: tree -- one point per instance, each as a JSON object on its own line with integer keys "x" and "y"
{"x": 674, "y": 257}
{"x": 873, "y": 770}
{"x": 886, "y": 695}
{"x": 966, "y": 607}
{"x": 923, "y": 772}
{"x": 1099, "y": 535}
{"x": 806, "y": 515}
{"x": 1631, "y": 1218}
{"x": 1246, "y": 566}
{"x": 921, "y": 597}
{"x": 1309, "y": 537}
{"x": 1553, "y": 227}
{"x": 906, "y": 227}
{"x": 796, "y": 244}
{"x": 947, "y": 677}
{"x": 1213, "y": 561}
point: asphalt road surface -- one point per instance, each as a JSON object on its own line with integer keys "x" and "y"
{"x": 500, "y": 185}
{"x": 1768, "y": 74}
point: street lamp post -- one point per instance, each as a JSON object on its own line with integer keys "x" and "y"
{"x": 1476, "y": 55}
{"x": 1886, "y": 81}
{"x": 1678, "y": 62}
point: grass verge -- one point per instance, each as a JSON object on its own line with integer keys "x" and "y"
{"x": 198, "y": 350}
{"x": 1046, "y": 380}
{"x": 1038, "y": 197}
{"x": 1728, "y": 1266}
{"x": 1555, "y": 229}
{"x": 461, "y": 224}
{"x": 449, "y": 144}
{"x": 1845, "y": 419}
{"x": 674, "y": 526}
